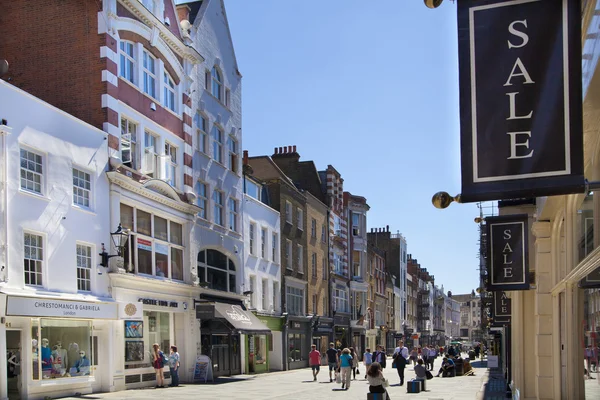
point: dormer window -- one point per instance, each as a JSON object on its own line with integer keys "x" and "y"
{"x": 169, "y": 92}
{"x": 216, "y": 83}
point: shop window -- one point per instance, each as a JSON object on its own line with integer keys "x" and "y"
{"x": 61, "y": 348}
{"x": 216, "y": 270}
{"x": 160, "y": 228}
{"x": 260, "y": 349}
{"x": 297, "y": 348}
{"x": 176, "y": 264}
{"x": 140, "y": 336}
{"x": 585, "y": 220}
{"x": 144, "y": 223}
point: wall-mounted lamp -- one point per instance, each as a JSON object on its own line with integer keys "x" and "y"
{"x": 443, "y": 199}
{"x": 432, "y": 3}
{"x": 119, "y": 239}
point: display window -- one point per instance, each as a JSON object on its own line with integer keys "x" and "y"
{"x": 62, "y": 348}
{"x": 141, "y": 335}
{"x": 298, "y": 350}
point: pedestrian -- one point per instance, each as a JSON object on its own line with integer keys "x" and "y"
{"x": 399, "y": 357}
{"x": 314, "y": 359}
{"x": 377, "y": 382}
{"x": 413, "y": 356}
{"x": 424, "y": 353}
{"x": 447, "y": 367}
{"x": 380, "y": 356}
{"x": 354, "y": 362}
{"x": 158, "y": 362}
{"x": 331, "y": 360}
{"x": 432, "y": 356}
{"x": 420, "y": 371}
{"x": 589, "y": 355}
{"x": 174, "y": 366}
{"x": 367, "y": 360}
{"x": 346, "y": 368}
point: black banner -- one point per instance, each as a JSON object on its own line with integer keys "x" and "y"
{"x": 520, "y": 98}
{"x": 508, "y": 252}
{"x": 502, "y": 305}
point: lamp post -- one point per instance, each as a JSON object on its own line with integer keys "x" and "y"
{"x": 119, "y": 239}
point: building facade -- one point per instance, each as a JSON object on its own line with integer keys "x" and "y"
{"x": 452, "y": 318}
{"x": 55, "y": 299}
{"x": 470, "y": 316}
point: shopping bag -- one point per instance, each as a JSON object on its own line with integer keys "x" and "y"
{"x": 338, "y": 378}
{"x": 428, "y": 375}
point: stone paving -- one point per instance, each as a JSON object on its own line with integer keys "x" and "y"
{"x": 298, "y": 385}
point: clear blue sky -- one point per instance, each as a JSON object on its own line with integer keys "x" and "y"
{"x": 370, "y": 87}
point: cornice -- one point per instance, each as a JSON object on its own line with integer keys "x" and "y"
{"x": 127, "y": 281}
{"x": 137, "y": 187}
{"x": 173, "y": 41}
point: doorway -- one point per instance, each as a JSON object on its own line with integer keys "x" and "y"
{"x": 13, "y": 350}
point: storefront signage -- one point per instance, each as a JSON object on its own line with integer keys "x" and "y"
{"x": 296, "y": 325}
{"x": 520, "y": 98}
{"x": 502, "y": 305}
{"x": 161, "y": 303}
{"x": 205, "y": 311}
{"x": 131, "y": 310}
{"x": 38, "y": 307}
{"x": 508, "y": 254}
{"x": 144, "y": 244}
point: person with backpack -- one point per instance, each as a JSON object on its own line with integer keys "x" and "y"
{"x": 400, "y": 360}
{"x": 158, "y": 362}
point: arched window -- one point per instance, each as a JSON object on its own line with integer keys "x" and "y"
{"x": 216, "y": 270}
{"x": 217, "y": 82}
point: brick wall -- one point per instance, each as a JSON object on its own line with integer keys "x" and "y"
{"x": 316, "y": 285}
{"x": 53, "y": 50}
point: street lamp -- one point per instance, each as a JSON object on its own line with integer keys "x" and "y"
{"x": 443, "y": 199}
{"x": 119, "y": 239}
{"x": 432, "y": 3}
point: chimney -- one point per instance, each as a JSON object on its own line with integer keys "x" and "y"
{"x": 289, "y": 149}
{"x": 294, "y": 148}
{"x": 281, "y": 150}
{"x": 183, "y": 12}
{"x": 275, "y": 150}
{"x": 387, "y": 228}
{"x": 245, "y": 157}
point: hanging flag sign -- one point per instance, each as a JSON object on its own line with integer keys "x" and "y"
{"x": 520, "y": 98}
{"x": 508, "y": 252}
{"x": 502, "y": 305}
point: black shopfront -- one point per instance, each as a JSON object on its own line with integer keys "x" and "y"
{"x": 298, "y": 339}
{"x": 341, "y": 331}
{"x": 322, "y": 333}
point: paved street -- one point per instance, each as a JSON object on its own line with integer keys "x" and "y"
{"x": 298, "y": 385}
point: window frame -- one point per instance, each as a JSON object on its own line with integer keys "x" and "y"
{"x": 300, "y": 258}
{"x": 216, "y": 82}
{"x": 201, "y": 132}
{"x": 299, "y": 294}
{"x": 232, "y": 214}
{"x": 218, "y": 207}
{"x": 147, "y": 75}
{"x": 233, "y": 151}
{"x": 230, "y": 273}
{"x": 265, "y": 294}
{"x": 263, "y": 243}
{"x": 169, "y": 92}
{"x": 274, "y": 247}
{"x": 34, "y": 172}
{"x": 289, "y": 254}
{"x": 171, "y": 163}
{"x": 323, "y": 234}
{"x": 82, "y": 269}
{"x": 131, "y": 140}
{"x": 313, "y": 228}
{"x": 314, "y": 264}
{"x": 300, "y": 218}
{"x": 217, "y": 143}
{"x": 251, "y": 238}
{"x": 82, "y": 189}
{"x": 202, "y": 199}
{"x": 289, "y": 218}
{"x": 126, "y": 59}
{"x": 356, "y": 227}
{"x": 39, "y": 275}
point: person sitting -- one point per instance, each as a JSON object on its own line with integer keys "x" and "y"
{"x": 420, "y": 371}
{"x": 376, "y": 380}
{"x": 447, "y": 367}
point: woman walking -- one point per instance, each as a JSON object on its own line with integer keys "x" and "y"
{"x": 346, "y": 367}
{"x": 367, "y": 360}
{"x": 158, "y": 362}
{"x": 354, "y": 362}
{"x": 376, "y": 380}
{"x": 414, "y": 356}
{"x": 174, "y": 366}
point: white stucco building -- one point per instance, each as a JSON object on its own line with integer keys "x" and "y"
{"x": 262, "y": 271}
{"x": 54, "y": 296}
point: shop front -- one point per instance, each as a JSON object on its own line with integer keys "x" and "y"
{"x": 269, "y": 357}
{"x": 341, "y": 331}
{"x": 53, "y": 345}
{"x": 149, "y": 317}
{"x": 299, "y": 335}
{"x": 358, "y": 333}
{"x": 371, "y": 339}
{"x": 225, "y": 329}
{"x": 322, "y": 333}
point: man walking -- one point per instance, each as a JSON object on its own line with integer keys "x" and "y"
{"x": 400, "y": 355}
{"x": 314, "y": 359}
{"x": 331, "y": 359}
{"x": 432, "y": 356}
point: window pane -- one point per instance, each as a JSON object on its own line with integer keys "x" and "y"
{"x": 176, "y": 233}
{"x": 176, "y": 264}
{"x": 161, "y": 252}
{"x": 217, "y": 279}
{"x": 127, "y": 216}
{"x": 160, "y": 228}
{"x": 216, "y": 259}
{"x": 144, "y": 224}
{"x": 71, "y": 357}
{"x": 144, "y": 257}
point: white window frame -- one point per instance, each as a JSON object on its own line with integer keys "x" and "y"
{"x": 202, "y": 199}
{"x": 300, "y": 218}
{"x": 288, "y": 212}
{"x": 232, "y": 214}
{"x": 356, "y": 227}
{"x": 300, "y": 258}
{"x": 84, "y": 266}
{"x": 263, "y": 242}
{"x": 251, "y": 238}
{"x": 217, "y": 141}
{"x": 171, "y": 165}
{"x": 265, "y": 294}
{"x": 150, "y": 155}
{"x": 274, "y": 247}
{"x": 31, "y": 171}
{"x": 38, "y": 272}
{"x": 289, "y": 254}
{"x": 129, "y": 129}
{"x": 201, "y": 123}
{"x": 233, "y": 151}
{"x": 126, "y": 59}
{"x": 218, "y": 217}
{"x": 169, "y": 92}
{"x": 149, "y": 77}
{"x": 323, "y": 234}
{"x": 80, "y": 192}
{"x": 299, "y": 294}
{"x": 216, "y": 83}
{"x": 340, "y": 298}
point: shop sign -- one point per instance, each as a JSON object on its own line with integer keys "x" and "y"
{"x": 144, "y": 244}
{"x": 296, "y": 325}
{"x": 520, "y": 98}
{"x": 502, "y": 305}
{"x": 160, "y": 303}
{"x": 205, "y": 311}
{"x": 131, "y": 310}
{"x": 508, "y": 252}
{"x": 38, "y": 307}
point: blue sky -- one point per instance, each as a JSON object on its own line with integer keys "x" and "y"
{"x": 372, "y": 89}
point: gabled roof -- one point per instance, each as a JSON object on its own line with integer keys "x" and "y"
{"x": 264, "y": 168}
{"x": 198, "y": 8}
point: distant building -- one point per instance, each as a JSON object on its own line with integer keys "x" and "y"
{"x": 470, "y": 316}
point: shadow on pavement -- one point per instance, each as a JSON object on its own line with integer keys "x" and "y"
{"x": 495, "y": 387}
{"x": 479, "y": 364}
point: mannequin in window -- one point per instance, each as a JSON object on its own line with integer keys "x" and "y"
{"x": 81, "y": 365}
{"x": 46, "y": 356}
{"x": 60, "y": 355}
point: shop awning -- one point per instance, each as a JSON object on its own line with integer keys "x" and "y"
{"x": 239, "y": 319}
